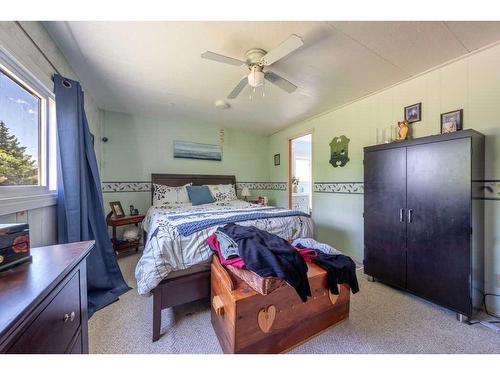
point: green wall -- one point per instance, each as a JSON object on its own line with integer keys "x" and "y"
{"x": 472, "y": 83}
{"x": 139, "y": 146}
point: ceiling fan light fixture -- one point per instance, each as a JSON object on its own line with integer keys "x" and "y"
{"x": 256, "y": 77}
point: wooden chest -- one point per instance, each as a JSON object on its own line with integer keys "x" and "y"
{"x": 248, "y": 322}
{"x": 14, "y": 245}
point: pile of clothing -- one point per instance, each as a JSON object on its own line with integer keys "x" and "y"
{"x": 269, "y": 255}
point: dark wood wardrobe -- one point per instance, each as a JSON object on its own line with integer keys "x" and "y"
{"x": 423, "y": 218}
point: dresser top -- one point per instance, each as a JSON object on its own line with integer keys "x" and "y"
{"x": 24, "y": 286}
{"x": 300, "y": 194}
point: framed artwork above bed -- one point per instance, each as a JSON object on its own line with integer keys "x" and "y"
{"x": 191, "y": 150}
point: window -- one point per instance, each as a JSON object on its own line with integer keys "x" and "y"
{"x": 27, "y": 133}
{"x": 20, "y": 111}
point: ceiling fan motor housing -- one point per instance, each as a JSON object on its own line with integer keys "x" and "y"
{"x": 254, "y": 56}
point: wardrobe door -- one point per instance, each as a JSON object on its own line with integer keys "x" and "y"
{"x": 384, "y": 215}
{"x": 438, "y": 229}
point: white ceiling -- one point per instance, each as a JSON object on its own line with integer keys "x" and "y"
{"x": 154, "y": 68}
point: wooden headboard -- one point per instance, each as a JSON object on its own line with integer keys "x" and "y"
{"x": 196, "y": 179}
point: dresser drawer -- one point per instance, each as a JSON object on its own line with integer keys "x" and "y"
{"x": 53, "y": 330}
{"x": 300, "y": 203}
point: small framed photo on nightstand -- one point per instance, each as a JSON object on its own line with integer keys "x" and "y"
{"x": 117, "y": 209}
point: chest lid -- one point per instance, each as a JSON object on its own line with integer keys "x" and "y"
{"x": 6, "y": 229}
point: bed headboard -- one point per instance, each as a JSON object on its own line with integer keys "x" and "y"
{"x": 196, "y": 179}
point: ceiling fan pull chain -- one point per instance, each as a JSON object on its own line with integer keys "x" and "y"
{"x": 250, "y": 97}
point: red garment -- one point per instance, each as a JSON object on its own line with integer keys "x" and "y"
{"x": 307, "y": 254}
{"x": 214, "y": 245}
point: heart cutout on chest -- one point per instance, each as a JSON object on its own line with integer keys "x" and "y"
{"x": 333, "y": 297}
{"x": 266, "y": 318}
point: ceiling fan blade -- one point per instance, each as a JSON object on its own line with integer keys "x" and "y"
{"x": 288, "y": 46}
{"x": 221, "y": 58}
{"x": 282, "y": 83}
{"x": 239, "y": 87}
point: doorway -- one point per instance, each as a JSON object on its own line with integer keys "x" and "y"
{"x": 300, "y": 173}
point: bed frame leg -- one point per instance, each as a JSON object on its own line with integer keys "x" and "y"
{"x": 156, "y": 315}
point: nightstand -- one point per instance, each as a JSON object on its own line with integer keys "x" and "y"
{"x": 122, "y": 246}
{"x": 260, "y": 202}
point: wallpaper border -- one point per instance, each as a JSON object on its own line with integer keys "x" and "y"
{"x": 339, "y": 187}
{"x": 125, "y": 186}
{"x": 262, "y": 185}
{"x": 482, "y": 189}
{"x": 488, "y": 190}
{"x": 145, "y": 186}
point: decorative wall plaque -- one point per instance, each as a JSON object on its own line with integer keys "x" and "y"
{"x": 339, "y": 151}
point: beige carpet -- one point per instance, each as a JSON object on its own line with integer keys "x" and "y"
{"x": 382, "y": 320}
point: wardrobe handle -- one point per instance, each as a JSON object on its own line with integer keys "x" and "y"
{"x": 410, "y": 215}
{"x": 401, "y": 215}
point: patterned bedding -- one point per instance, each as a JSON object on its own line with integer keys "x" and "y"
{"x": 167, "y": 250}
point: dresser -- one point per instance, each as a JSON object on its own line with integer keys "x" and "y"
{"x": 423, "y": 218}
{"x": 300, "y": 202}
{"x": 43, "y": 304}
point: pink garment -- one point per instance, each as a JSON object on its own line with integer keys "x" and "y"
{"x": 307, "y": 254}
{"x": 214, "y": 245}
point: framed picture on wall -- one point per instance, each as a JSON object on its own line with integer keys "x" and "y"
{"x": 452, "y": 121}
{"x": 192, "y": 150}
{"x": 277, "y": 159}
{"x": 413, "y": 113}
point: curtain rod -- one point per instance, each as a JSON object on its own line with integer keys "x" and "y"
{"x": 37, "y": 47}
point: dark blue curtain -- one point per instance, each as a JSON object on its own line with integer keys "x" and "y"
{"x": 79, "y": 198}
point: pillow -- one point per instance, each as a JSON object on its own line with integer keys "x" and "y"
{"x": 199, "y": 195}
{"x": 163, "y": 194}
{"x": 223, "y": 192}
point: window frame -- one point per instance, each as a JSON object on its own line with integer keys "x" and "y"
{"x": 23, "y": 197}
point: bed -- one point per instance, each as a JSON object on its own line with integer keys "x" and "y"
{"x": 175, "y": 265}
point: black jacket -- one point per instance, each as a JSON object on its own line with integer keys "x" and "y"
{"x": 340, "y": 270}
{"x": 269, "y": 255}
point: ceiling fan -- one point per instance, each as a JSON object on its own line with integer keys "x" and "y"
{"x": 255, "y": 60}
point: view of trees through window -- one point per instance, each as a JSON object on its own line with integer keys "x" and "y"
{"x": 19, "y": 134}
